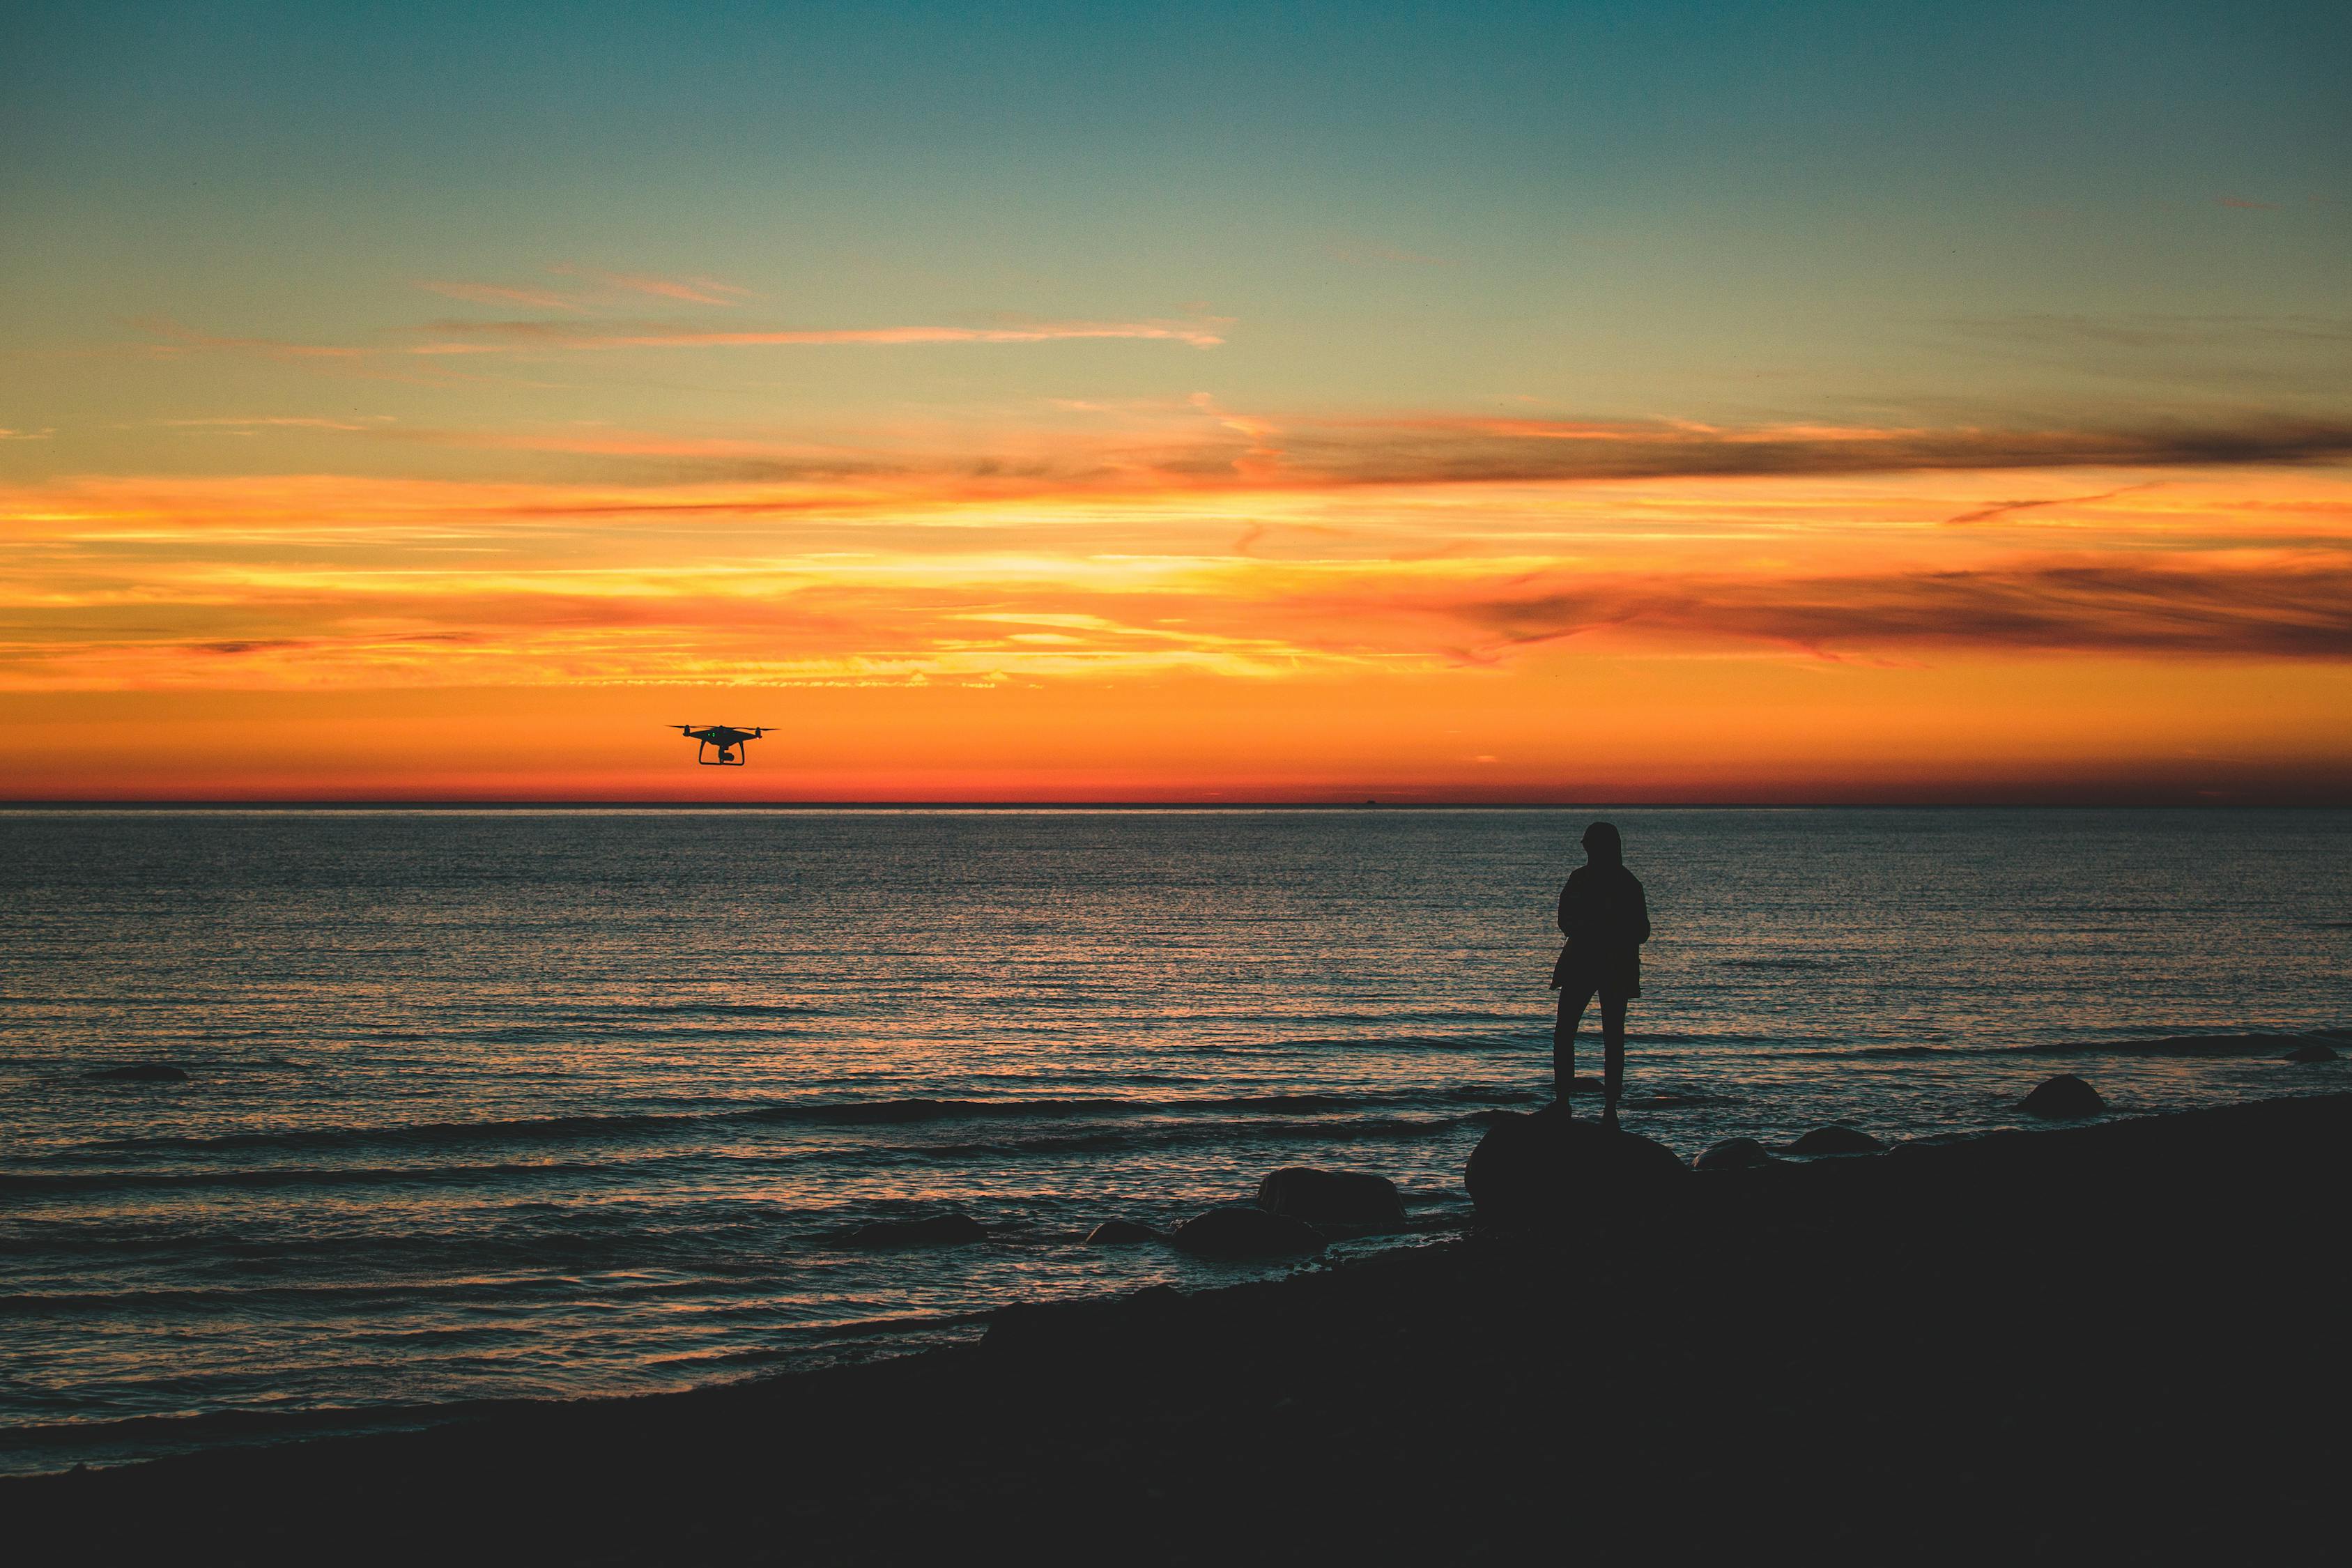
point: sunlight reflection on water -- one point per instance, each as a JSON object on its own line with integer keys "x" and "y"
{"x": 497, "y": 1104}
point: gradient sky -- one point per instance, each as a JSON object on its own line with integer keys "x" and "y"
{"x": 1497, "y": 403}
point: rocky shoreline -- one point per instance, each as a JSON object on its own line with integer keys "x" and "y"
{"x": 2117, "y": 1341}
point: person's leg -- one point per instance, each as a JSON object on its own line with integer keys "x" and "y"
{"x": 1573, "y": 1000}
{"x": 1612, "y": 1047}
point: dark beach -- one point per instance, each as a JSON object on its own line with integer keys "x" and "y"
{"x": 2113, "y": 1342}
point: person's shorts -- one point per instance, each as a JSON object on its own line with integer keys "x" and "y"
{"x": 1609, "y": 985}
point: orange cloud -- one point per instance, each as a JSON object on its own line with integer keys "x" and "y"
{"x": 1458, "y": 450}
{"x": 565, "y": 335}
{"x": 693, "y": 290}
{"x": 1200, "y": 447}
{"x": 2271, "y": 610}
{"x": 1258, "y": 451}
{"x": 246, "y": 424}
{"x": 605, "y": 286}
{"x": 1175, "y": 600}
{"x": 2010, "y": 508}
{"x": 511, "y": 336}
{"x": 306, "y": 580}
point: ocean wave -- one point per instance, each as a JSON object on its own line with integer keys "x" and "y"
{"x": 2253, "y": 1045}
{"x": 2176, "y": 1045}
{"x": 1104, "y": 1140}
{"x": 1395, "y": 1015}
{"x": 714, "y": 1009}
{"x": 1671, "y": 1038}
{"x": 1369, "y": 1129}
{"x": 244, "y": 1297}
{"x": 521, "y": 1250}
{"x": 868, "y": 1112}
{"x": 1486, "y": 1042}
{"x": 848, "y": 1113}
{"x": 609, "y": 1029}
{"x": 70, "y": 1182}
{"x": 533, "y": 1130}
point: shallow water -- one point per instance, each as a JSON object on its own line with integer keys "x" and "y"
{"x": 526, "y": 1104}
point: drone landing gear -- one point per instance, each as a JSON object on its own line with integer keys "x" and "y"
{"x": 728, "y": 756}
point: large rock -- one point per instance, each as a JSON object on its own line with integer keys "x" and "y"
{"x": 1550, "y": 1168}
{"x": 143, "y": 1072}
{"x": 2313, "y": 1052}
{"x": 1836, "y": 1140}
{"x": 1346, "y": 1198}
{"x": 2064, "y": 1096}
{"x": 1121, "y": 1233}
{"x": 952, "y": 1229}
{"x": 1246, "y": 1233}
{"x": 1734, "y": 1155}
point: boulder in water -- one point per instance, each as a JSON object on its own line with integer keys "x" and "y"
{"x": 1121, "y": 1233}
{"x": 2313, "y": 1052}
{"x": 1734, "y": 1155}
{"x": 1836, "y": 1140}
{"x": 2062, "y": 1097}
{"x": 143, "y": 1072}
{"x": 1550, "y": 1167}
{"x": 1246, "y": 1233}
{"x": 951, "y": 1229}
{"x": 1347, "y": 1198}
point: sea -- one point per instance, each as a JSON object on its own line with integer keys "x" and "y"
{"x": 499, "y": 1105}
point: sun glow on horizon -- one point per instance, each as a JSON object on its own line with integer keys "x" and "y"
{"x": 1691, "y": 638}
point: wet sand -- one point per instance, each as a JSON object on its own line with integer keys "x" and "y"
{"x": 2116, "y": 1341}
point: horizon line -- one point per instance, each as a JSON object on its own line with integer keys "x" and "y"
{"x": 454, "y": 804}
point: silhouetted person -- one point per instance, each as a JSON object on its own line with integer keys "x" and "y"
{"x": 1606, "y": 920}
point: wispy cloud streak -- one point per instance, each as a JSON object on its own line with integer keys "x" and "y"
{"x": 243, "y": 424}
{"x": 2009, "y": 508}
{"x": 535, "y": 334}
{"x": 2299, "y": 611}
{"x": 690, "y": 291}
{"x": 1203, "y": 446}
{"x": 1458, "y": 450}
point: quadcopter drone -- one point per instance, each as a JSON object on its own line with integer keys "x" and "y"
{"x": 725, "y": 738}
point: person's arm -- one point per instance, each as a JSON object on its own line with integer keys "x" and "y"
{"x": 1567, "y": 900}
{"x": 1640, "y": 913}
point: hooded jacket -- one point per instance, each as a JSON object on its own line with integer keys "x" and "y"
{"x": 1606, "y": 918}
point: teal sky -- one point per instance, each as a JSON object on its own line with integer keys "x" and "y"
{"x": 1743, "y": 213}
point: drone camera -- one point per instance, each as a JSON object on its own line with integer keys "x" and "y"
{"x": 720, "y": 745}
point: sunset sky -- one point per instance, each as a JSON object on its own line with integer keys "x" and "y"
{"x": 1668, "y": 402}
